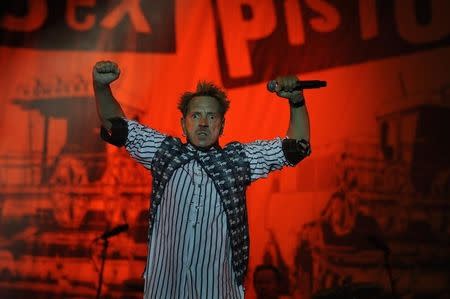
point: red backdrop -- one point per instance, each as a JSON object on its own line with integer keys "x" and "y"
{"x": 378, "y": 178}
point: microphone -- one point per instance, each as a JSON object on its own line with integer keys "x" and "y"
{"x": 115, "y": 231}
{"x": 307, "y": 84}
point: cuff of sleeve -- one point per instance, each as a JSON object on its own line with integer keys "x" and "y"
{"x": 295, "y": 150}
{"x": 118, "y": 134}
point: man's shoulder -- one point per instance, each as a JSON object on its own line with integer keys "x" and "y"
{"x": 233, "y": 146}
{"x": 171, "y": 141}
{"x": 171, "y": 138}
{"x": 235, "y": 149}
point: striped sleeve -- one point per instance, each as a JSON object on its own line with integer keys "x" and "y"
{"x": 143, "y": 142}
{"x": 264, "y": 156}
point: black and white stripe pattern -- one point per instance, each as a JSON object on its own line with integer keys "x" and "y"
{"x": 142, "y": 143}
{"x": 190, "y": 252}
{"x": 264, "y": 156}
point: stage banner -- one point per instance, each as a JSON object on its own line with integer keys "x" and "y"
{"x": 117, "y": 25}
{"x": 365, "y": 215}
{"x": 259, "y": 39}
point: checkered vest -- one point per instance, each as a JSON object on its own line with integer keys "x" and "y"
{"x": 230, "y": 173}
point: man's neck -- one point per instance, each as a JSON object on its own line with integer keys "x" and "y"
{"x": 206, "y": 148}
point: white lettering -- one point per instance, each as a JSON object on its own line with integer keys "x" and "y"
{"x": 415, "y": 33}
{"x": 71, "y": 19}
{"x": 37, "y": 13}
{"x": 134, "y": 10}
{"x": 294, "y": 22}
{"x": 368, "y": 18}
{"x": 329, "y": 19}
{"x": 237, "y": 31}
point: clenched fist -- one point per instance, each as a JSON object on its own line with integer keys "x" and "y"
{"x": 105, "y": 72}
{"x": 286, "y": 89}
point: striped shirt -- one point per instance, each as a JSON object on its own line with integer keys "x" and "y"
{"x": 189, "y": 250}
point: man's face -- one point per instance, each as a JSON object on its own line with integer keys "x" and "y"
{"x": 203, "y": 123}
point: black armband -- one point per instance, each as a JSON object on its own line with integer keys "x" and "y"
{"x": 118, "y": 134}
{"x": 295, "y": 150}
{"x": 298, "y": 104}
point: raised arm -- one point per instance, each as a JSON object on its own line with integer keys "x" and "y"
{"x": 299, "y": 119}
{"x": 104, "y": 73}
{"x": 297, "y": 146}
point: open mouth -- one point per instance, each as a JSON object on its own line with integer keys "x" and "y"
{"x": 202, "y": 133}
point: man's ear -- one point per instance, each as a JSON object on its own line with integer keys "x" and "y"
{"x": 183, "y": 126}
{"x": 222, "y": 126}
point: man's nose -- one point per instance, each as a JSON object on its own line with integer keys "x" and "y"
{"x": 203, "y": 122}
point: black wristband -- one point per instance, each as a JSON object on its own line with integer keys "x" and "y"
{"x": 298, "y": 104}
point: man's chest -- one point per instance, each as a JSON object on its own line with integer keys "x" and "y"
{"x": 191, "y": 185}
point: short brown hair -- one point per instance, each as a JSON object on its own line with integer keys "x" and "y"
{"x": 205, "y": 88}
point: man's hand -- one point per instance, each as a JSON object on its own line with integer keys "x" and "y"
{"x": 285, "y": 89}
{"x": 105, "y": 72}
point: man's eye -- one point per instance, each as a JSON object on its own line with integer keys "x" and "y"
{"x": 195, "y": 116}
{"x": 212, "y": 117}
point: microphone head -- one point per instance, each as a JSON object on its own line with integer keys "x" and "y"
{"x": 272, "y": 85}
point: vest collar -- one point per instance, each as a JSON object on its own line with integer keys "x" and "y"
{"x": 211, "y": 148}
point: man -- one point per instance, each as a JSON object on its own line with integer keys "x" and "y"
{"x": 267, "y": 282}
{"x": 198, "y": 231}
